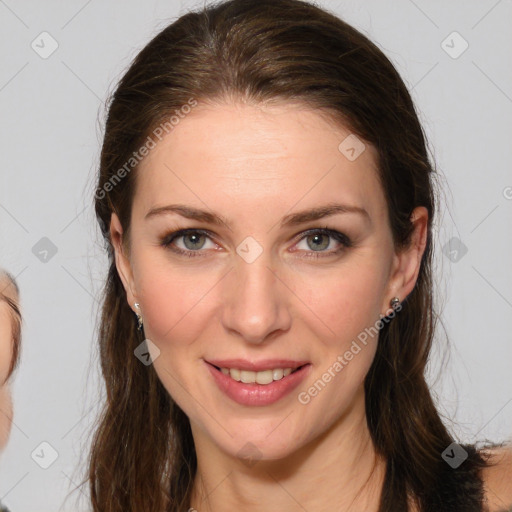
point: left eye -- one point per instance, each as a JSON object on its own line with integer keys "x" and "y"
{"x": 319, "y": 240}
{"x": 316, "y": 238}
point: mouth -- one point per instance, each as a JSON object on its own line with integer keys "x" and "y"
{"x": 266, "y": 383}
{"x": 262, "y": 377}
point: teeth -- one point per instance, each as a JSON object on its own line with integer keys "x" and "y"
{"x": 278, "y": 374}
{"x": 250, "y": 377}
{"x": 235, "y": 374}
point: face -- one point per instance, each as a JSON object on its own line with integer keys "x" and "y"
{"x": 5, "y": 362}
{"x": 258, "y": 291}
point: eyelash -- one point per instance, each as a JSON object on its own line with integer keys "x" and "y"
{"x": 343, "y": 239}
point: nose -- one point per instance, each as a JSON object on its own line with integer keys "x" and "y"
{"x": 256, "y": 305}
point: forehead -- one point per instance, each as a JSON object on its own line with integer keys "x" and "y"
{"x": 231, "y": 156}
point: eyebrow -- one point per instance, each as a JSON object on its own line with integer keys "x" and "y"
{"x": 292, "y": 219}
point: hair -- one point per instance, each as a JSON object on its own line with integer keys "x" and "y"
{"x": 11, "y": 298}
{"x": 267, "y": 52}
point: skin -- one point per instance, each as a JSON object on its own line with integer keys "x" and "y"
{"x": 498, "y": 479}
{"x": 254, "y": 165}
{"x": 6, "y": 408}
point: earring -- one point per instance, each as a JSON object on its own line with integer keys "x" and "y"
{"x": 395, "y": 301}
{"x": 139, "y": 317}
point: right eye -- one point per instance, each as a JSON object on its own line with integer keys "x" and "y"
{"x": 194, "y": 237}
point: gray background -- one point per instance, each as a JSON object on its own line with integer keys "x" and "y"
{"x": 52, "y": 114}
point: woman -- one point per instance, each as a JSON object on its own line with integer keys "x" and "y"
{"x": 10, "y": 340}
{"x": 267, "y": 201}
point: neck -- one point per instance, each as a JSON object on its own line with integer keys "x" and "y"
{"x": 339, "y": 470}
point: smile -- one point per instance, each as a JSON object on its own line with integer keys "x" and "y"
{"x": 263, "y": 377}
{"x": 257, "y": 387}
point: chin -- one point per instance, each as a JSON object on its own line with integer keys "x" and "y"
{"x": 252, "y": 450}
{"x": 259, "y": 440}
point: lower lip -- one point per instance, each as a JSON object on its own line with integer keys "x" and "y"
{"x": 258, "y": 394}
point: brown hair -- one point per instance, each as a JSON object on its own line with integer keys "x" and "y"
{"x": 263, "y": 52}
{"x": 7, "y": 281}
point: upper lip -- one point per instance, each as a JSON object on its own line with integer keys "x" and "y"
{"x": 256, "y": 366}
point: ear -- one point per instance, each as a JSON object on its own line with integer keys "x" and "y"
{"x": 123, "y": 264}
{"x": 406, "y": 264}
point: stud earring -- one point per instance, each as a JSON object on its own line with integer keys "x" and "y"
{"x": 139, "y": 317}
{"x": 394, "y": 302}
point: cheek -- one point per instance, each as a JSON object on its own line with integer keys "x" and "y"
{"x": 344, "y": 302}
{"x": 5, "y": 342}
{"x": 174, "y": 304}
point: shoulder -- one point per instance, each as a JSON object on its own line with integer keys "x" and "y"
{"x": 497, "y": 478}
